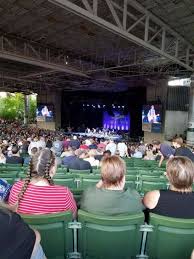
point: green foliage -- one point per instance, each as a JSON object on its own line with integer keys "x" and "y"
{"x": 12, "y": 107}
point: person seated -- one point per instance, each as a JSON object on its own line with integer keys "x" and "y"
{"x": 34, "y": 150}
{"x": 74, "y": 143}
{"x": 105, "y": 154}
{"x": 78, "y": 162}
{"x": 15, "y": 157}
{"x": 137, "y": 154}
{"x": 181, "y": 150}
{"x": 91, "y": 158}
{"x": 179, "y": 199}
{"x": 37, "y": 194}
{"x": 149, "y": 155}
{"x": 2, "y": 157}
{"x": 109, "y": 197}
{"x": 23, "y": 242}
{"x": 58, "y": 146}
{"x": 68, "y": 156}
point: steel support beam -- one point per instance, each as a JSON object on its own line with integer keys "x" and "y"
{"x": 40, "y": 63}
{"x": 119, "y": 30}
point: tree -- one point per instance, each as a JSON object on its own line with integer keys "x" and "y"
{"x": 12, "y": 107}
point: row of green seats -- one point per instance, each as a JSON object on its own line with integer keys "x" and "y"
{"x": 119, "y": 237}
{"x": 142, "y": 183}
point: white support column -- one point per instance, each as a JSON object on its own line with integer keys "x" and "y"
{"x": 190, "y": 130}
{"x": 26, "y": 109}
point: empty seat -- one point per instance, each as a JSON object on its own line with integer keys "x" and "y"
{"x": 171, "y": 238}
{"x": 108, "y": 237}
{"x": 73, "y": 171}
{"x": 65, "y": 180}
{"x": 89, "y": 180}
{"x": 152, "y": 183}
{"x": 130, "y": 181}
{"x": 56, "y": 237}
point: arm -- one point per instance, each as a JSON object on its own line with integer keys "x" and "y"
{"x": 150, "y": 200}
{"x": 99, "y": 184}
{"x": 37, "y": 241}
{"x": 161, "y": 160}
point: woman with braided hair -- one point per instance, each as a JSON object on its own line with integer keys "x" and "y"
{"x": 37, "y": 194}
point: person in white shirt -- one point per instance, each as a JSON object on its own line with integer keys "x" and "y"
{"x": 112, "y": 147}
{"x": 122, "y": 149}
{"x": 41, "y": 143}
{"x": 33, "y": 143}
{"x": 91, "y": 159}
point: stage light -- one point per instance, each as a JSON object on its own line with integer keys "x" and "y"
{"x": 180, "y": 82}
{"x": 119, "y": 106}
{"x": 98, "y": 106}
{"x": 88, "y": 105}
{"x": 123, "y": 107}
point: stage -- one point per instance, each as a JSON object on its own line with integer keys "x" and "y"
{"x": 96, "y": 135}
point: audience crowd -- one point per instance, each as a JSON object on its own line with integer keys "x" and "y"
{"x": 43, "y": 151}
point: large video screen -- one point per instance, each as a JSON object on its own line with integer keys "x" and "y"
{"x": 151, "y": 118}
{"x": 45, "y": 112}
{"x": 117, "y": 120}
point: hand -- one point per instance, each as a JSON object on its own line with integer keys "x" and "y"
{"x": 99, "y": 184}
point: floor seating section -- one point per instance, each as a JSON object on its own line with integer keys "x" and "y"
{"x": 141, "y": 175}
{"x": 124, "y": 237}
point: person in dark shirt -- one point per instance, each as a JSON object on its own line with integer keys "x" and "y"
{"x": 78, "y": 163}
{"x": 15, "y": 158}
{"x": 165, "y": 150}
{"x": 181, "y": 150}
{"x": 74, "y": 143}
{"x": 17, "y": 239}
{"x": 178, "y": 200}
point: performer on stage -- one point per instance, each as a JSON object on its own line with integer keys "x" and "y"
{"x": 152, "y": 118}
{"x": 45, "y": 111}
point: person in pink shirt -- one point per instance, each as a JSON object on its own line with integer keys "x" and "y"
{"x": 37, "y": 194}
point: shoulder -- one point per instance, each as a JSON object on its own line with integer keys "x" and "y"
{"x": 17, "y": 185}
{"x": 151, "y": 199}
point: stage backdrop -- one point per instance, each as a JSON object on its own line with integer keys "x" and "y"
{"x": 117, "y": 120}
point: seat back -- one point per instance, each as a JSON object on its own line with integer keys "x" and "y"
{"x": 108, "y": 237}
{"x": 9, "y": 176}
{"x": 74, "y": 171}
{"x": 172, "y": 238}
{"x": 65, "y": 180}
{"x": 89, "y": 180}
{"x": 56, "y": 238}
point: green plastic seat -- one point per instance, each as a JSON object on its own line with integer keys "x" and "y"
{"x": 73, "y": 171}
{"x": 89, "y": 180}
{"x": 9, "y": 176}
{"x": 61, "y": 170}
{"x": 131, "y": 171}
{"x": 96, "y": 171}
{"x": 150, "y": 184}
{"x": 56, "y": 237}
{"x": 172, "y": 238}
{"x": 65, "y": 180}
{"x": 130, "y": 181}
{"x": 108, "y": 237}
